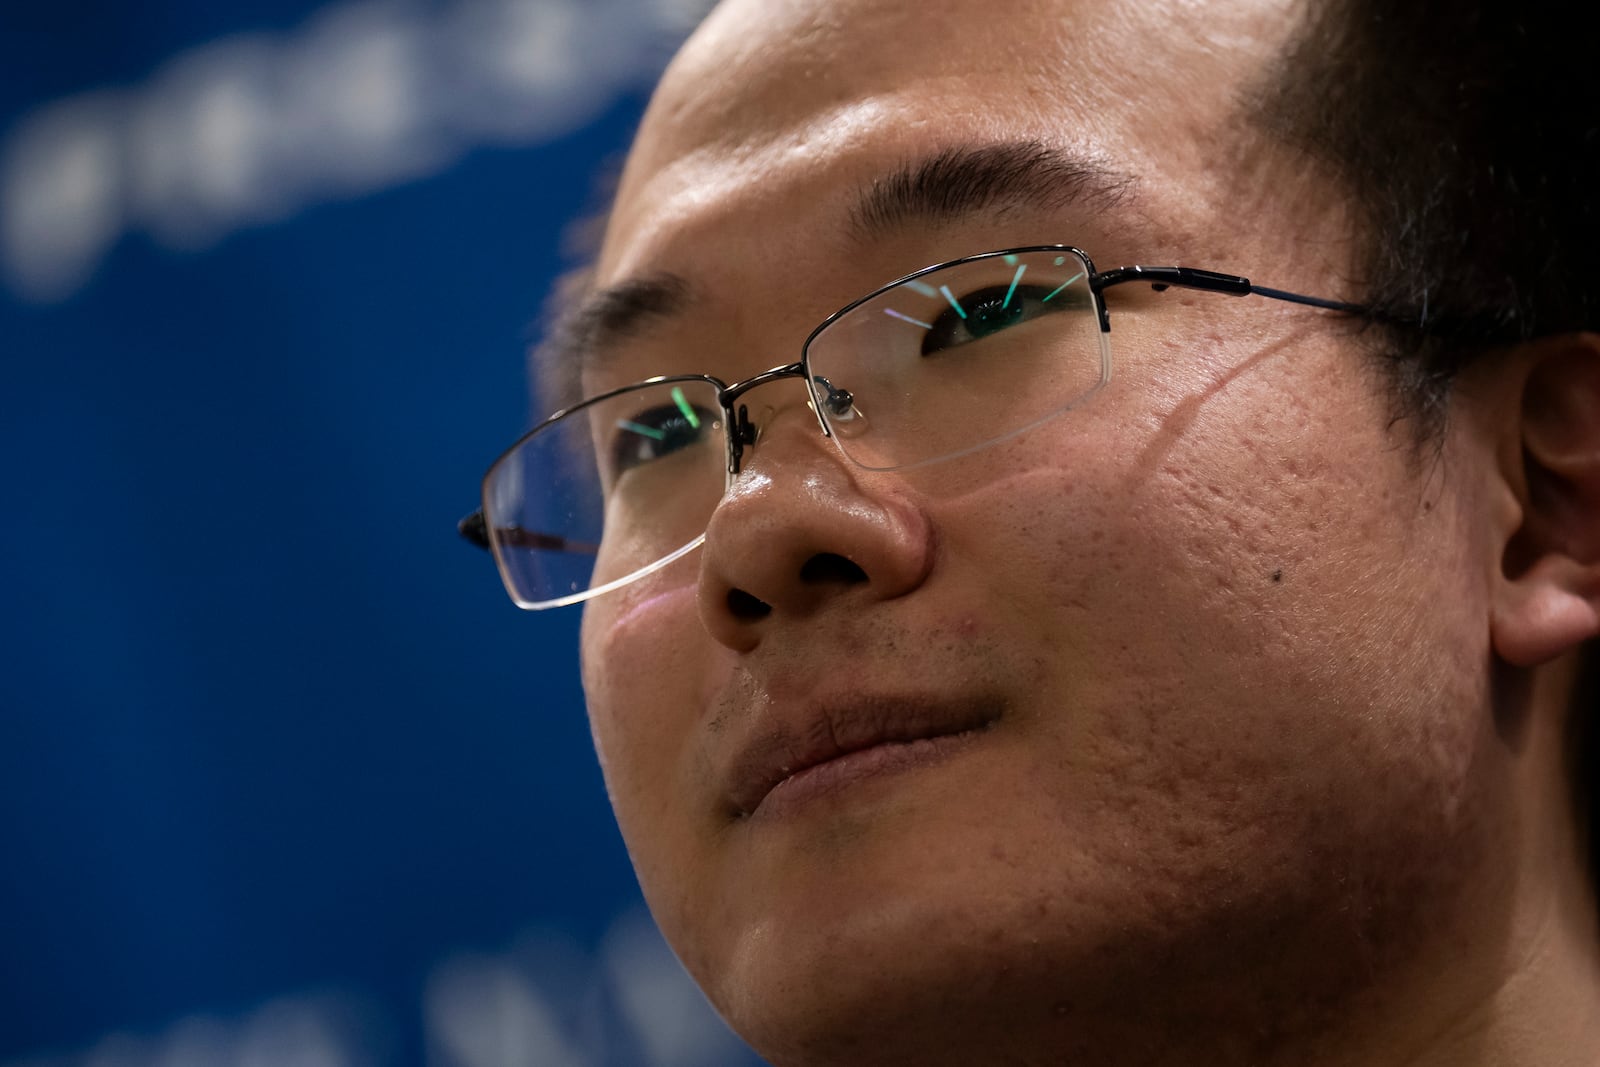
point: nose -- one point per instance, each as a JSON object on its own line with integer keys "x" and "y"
{"x": 802, "y": 531}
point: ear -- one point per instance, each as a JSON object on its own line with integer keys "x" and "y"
{"x": 1548, "y": 597}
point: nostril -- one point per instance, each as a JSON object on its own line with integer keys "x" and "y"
{"x": 829, "y": 567}
{"x": 746, "y": 607}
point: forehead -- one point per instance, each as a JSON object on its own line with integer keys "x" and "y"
{"x": 776, "y": 105}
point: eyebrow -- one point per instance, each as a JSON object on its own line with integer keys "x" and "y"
{"x": 624, "y": 310}
{"x": 952, "y": 184}
{"x": 982, "y": 179}
{"x": 599, "y": 320}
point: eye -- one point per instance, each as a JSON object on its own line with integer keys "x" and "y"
{"x": 988, "y": 311}
{"x": 655, "y": 433}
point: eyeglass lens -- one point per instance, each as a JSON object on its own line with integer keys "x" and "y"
{"x": 942, "y": 363}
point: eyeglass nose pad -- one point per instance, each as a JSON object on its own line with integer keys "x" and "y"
{"x": 747, "y": 430}
{"x": 839, "y": 407}
{"x": 744, "y": 431}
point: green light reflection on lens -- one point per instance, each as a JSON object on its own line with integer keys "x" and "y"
{"x": 685, "y": 407}
{"x": 1063, "y": 285}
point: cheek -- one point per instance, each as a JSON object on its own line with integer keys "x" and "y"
{"x": 650, "y": 678}
{"x": 1261, "y": 629}
{"x": 645, "y": 668}
{"x": 1276, "y": 520}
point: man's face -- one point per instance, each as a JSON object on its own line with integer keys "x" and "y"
{"x": 1181, "y": 656}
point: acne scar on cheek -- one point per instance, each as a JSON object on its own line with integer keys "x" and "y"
{"x": 1277, "y": 575}
{"x": 967, "y": 627}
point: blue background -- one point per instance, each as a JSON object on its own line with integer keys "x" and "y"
{"x": 266, "y": 724}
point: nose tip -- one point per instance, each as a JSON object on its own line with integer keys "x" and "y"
{"x": 787, "y": 544}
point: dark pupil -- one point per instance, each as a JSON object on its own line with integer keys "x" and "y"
{"x": 992, "y": 316}
{"x": 676, "y": 433}
{"x": 672, "y": 432}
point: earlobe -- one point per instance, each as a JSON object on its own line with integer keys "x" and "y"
{"x": 1549, "y": 609}
{"x": 1548, "y": 600}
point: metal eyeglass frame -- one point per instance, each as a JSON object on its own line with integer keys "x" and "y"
{"x": 740, "y": 432}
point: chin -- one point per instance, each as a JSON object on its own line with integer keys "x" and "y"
{"x": 912, "y": 932}
{"x": 979, "y": 932}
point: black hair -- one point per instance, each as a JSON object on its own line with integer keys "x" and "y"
{"x": 1466, "y": 134}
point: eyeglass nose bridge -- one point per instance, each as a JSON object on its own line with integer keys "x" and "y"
{"x": 741, "y": 431}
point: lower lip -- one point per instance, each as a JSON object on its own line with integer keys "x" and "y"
{"x": 826, "y": 779}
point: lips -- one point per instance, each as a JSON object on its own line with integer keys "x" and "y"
{"x": 863, "y": 734}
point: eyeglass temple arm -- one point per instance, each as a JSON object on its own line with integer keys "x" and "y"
{"x": 475, "y": 529}
{"x": 1209, "y": 281}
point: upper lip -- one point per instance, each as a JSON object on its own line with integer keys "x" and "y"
{"x": 785, "y": 745}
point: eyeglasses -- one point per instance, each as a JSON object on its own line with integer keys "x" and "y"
{"x": 939, "y": 364}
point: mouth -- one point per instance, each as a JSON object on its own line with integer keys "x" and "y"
{"x": 836, "y": 746}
